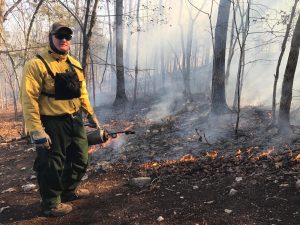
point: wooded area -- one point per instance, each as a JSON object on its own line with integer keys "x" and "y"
{"x": 210, "y": 87}
{"x": 127, "y": 53}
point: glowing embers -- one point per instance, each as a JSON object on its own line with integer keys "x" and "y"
{"x": 156, "y": 165}
{"x": 188, "y": 158}
{"x": 297, "y": 158}
{"x": 212, "y": 154}
{"x": 238, "y": 153}
{"x": 263, "y": 154}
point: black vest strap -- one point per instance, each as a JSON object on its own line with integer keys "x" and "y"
{"x": 48, "y": 95}
{"x": 47, "y": 66}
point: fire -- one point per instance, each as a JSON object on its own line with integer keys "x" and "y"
{"x": 297, "y": 158}
{"x": 212, "y": 154}
{"x": 188, "y": 158}
{"x": 94, "y": 148}
{"x": 149, "y": 165}
{"x": 265, "y": 153}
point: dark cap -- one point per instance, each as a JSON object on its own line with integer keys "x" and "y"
{"x": 60, "y": 26}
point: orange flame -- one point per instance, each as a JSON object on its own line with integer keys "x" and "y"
{"x": 187, "y": 158}
{"x": 93, "y": 148}
{"x": 297, "y": 158}
{"x": 149, "y": 165}
{"x": 212, "y": 154}
{"x": 265, "y": 153}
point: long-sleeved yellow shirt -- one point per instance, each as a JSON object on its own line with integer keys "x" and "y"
{"x": 35, "y": 79}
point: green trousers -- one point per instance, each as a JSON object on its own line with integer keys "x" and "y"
{"x": 60, "y": 169}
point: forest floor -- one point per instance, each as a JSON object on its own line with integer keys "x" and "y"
{"x": 198, "y": 171}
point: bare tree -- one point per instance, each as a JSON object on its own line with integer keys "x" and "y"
{"x": 283, "y": 47}
{"x": 242, "y": 44}
{"x": 121, "y": 97}
{"x": 218, "y": 96}
{"x": 288, "y": 79}
{"x": 2, "y": 5}
{"x": 137, "y": 51}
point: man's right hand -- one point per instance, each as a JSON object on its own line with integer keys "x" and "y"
{"x": 41, "y": 139}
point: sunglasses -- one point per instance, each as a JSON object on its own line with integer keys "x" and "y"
{"x": 61, "y": 36}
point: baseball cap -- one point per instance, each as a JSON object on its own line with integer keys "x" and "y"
{"x": 60, "y": 26}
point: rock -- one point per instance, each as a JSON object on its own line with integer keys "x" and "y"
{"x": 85, "y": 177}
{"x": 30, "y": 150}
{"x": 32, "y": 177}
{"x": 232, "y": 192}
{"x": 28, "y": 187}
{"x": 23, "y": 168}
{"x": 238, "y": 179}
{"x": 228, "y": 211}
{"x": 209, "y": 202}
{"x": 195, "y": 187}
{"x": 140, "y": 181}
{"x": 298, "y": 184}
{"x": 160, "y": 218}
{"x": 8, "y": 190}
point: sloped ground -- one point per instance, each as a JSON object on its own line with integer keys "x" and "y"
{"x": 197, "y": 177}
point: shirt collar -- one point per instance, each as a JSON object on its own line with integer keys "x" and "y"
{"x": 58, "y": 57}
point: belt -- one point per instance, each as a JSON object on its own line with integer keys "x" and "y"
{"x": 63, "y": 116}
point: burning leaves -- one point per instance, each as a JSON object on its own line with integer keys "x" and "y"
{"x": 297, "y": 158}
{"x": 251, "y": 154}
{"x": 212, "y": 154}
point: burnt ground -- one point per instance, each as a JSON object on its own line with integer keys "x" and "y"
{"x": 200, "y": 172}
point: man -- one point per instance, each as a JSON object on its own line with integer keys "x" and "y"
{"x": 53, "y": 95}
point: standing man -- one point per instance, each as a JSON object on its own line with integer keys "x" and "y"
{"x": 53, "y": 96}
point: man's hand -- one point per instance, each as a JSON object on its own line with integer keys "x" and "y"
{"x": 93, "y": 121}
{"x": 41, "y": 139}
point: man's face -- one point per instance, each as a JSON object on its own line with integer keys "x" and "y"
{"x": 62, "y": 41}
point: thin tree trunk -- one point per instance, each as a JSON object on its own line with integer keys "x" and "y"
{"x": 137, "y": 53}
{"x": 283, "y": 47}
{"x": 111, "y": 45}
{"x": 288, "y": 80}
{"x": 242, "y": 45}
{"x": 2, "y": 5}
{"x": 121, "y": 97}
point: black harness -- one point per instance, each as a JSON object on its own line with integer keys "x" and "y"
{"x": 67, "y": 85}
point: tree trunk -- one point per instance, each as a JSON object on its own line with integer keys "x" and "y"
{"x": 111, "y": 45}
{"x": 85, "y": 41}
{"x": 2, "y": 6}
{"x": 287, "y": 85}
{"x": 121, "y": 97}
{"x": 219, "y": 104}
{"x": 162, "y": 53}
{"x": 137, "y": 53}
{"x": 283, "y": 47}
{"x": 128, "y": 40}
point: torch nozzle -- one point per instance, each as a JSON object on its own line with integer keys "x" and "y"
{"x": 115, "y": 134}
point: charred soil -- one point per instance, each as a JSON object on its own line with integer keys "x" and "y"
{"x": 199, "y": 174}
